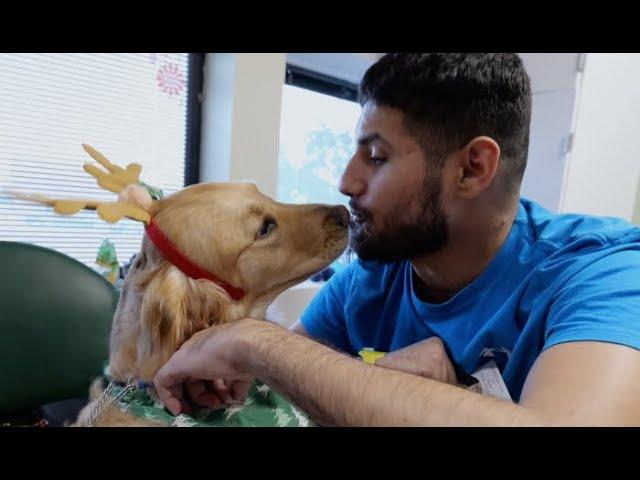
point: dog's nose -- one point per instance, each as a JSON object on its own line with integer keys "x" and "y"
{"x": 340, "y": 215}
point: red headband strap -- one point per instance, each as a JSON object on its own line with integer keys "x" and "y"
{"x": 177, "y": 258}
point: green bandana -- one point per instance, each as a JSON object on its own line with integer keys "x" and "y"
{"x": 263, "y": 408}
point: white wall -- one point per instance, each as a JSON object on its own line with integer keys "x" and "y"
{"x": 242, "y": 97}
{"x": 553, "y": 83}
{"x": 604, "y": 171}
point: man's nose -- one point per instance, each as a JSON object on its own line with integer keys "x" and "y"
{"x": 352, "y": 183}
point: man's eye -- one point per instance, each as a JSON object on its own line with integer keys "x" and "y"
{"x": 377, "y": 161}
{"x": 268, "y": 225}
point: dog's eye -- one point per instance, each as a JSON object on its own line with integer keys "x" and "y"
{"x": 268, "y": 225}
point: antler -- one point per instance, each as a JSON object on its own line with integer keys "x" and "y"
{"x": 133, "y": 199}
{"x": 116, "y": 178}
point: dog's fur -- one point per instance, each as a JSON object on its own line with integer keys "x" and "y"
{"x": 216, "y": 225}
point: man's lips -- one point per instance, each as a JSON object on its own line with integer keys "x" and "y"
{"x": 357, "y": 216}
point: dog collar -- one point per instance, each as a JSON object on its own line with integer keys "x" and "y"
{"x": 182, "y": 262}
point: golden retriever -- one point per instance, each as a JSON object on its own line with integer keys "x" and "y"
{"x": 247, "y": 239}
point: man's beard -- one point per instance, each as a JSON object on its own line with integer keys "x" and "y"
{"x": 402, "y": 238}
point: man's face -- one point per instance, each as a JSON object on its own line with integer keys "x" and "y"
{"x": 395, "y": 195}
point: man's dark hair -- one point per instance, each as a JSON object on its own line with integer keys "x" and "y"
{"x": 450, "y": 98}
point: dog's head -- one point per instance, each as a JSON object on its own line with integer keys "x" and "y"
{"x": 248, "y": 239}
{"x": 242, "y": 236}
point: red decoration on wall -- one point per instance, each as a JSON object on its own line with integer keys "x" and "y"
{"x": 171, "y": 79}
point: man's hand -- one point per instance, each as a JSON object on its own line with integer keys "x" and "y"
{"x": 193, "y": 373}
{"x": 215, "y": 393}
{"x": 427, "y": 358}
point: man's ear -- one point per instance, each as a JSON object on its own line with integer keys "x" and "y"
{"x": 476, "y": 166}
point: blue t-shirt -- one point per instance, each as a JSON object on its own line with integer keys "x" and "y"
{"x": 556, "y": 278}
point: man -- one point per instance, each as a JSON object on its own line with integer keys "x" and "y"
{"x": 453, "y": 269}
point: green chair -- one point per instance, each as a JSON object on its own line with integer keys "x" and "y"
{"x": 55, "y": 319}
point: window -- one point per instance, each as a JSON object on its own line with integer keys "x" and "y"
{"x": 319, "y": 115}
{"x": 132, "y": 107}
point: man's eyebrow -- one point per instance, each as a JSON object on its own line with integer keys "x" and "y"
{"x": 372, "y": 137}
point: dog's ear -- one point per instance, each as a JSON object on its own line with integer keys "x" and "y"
{"x": 174, "y": 307}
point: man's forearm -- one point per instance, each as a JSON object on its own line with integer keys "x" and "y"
{"x": 337, "y": 390}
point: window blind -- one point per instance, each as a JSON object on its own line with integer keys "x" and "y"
{"x": 132, "y": 107}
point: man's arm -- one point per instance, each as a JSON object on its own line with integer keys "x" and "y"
{"x": 335, "y": 389}
{"x": 338, "y": 390}
{"x": 586, "y": 383}
{"x": 582, "y": 383}
{"x": 299, "y": 329}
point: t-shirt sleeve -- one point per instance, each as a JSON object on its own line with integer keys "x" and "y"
{"x": 601, "y": 302}
{"x": 324, "y": 318}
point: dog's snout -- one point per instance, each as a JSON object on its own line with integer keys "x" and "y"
{"x": 340, "y": 215}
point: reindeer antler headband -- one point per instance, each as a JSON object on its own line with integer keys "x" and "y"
{"x": 134, "y": 202}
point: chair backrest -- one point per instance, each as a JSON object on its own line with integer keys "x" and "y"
{"x": 55, "y": 319}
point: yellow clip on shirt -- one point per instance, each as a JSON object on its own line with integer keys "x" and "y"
{"x": 369, "y": 355}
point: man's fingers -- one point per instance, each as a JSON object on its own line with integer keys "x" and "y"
{"x": 453, "y": 378}
{"x": 384, "y": 361}
{"x": 240, "y": 389}
{"x": 173, "y": 405}
{"x": 199, "y": 395}
{"x": 399, "y": 362}
{"x": 221, "y": 390}
{"x": 168, "y": 385}
{"x": 177, "y": 403}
